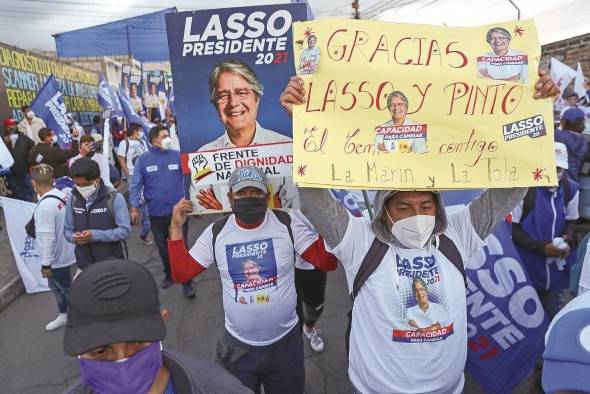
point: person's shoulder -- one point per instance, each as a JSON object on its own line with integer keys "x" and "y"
{"x": 271, "y": 135}
{"x": 189, "y": 373}
{"x": 514, "y": 52}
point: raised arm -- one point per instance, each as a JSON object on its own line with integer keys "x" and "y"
{"x": 492, "y": 206}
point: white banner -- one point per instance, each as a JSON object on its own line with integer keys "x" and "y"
{"x": 26, "y": 252}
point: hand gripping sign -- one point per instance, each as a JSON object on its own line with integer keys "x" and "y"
{"x": 397, "y": 106}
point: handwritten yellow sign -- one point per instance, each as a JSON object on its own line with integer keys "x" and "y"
{"x": 416, "y": 107}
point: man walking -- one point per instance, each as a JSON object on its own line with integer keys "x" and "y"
{"x": 254, "y": 250}
{"x": 57, "y": 255}
{"x": 157, "y": 176}
{"x": 97, "y": 219}
{"x": 30, "y": 125}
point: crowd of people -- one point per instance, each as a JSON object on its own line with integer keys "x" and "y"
{"x": 273, "y": 265}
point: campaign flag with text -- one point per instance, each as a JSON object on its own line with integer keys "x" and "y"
{"x": 506, "y": 323}
{"x": 24, "y": 248}
{"x": 107, "y": 97}
{"x": 129, "y": 114}
{"x": 49, "y": 105}
{"x": 237, "y": 120}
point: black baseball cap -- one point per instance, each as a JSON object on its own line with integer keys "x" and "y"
{"x": 112, "y": 301}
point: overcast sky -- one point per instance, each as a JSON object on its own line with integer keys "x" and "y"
{"x": 30, "y": 23}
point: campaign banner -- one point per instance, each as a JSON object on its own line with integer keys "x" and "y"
{"x": 23, "y": 74}
{"x": 24, "y": 248}
{"x": 131, "y": 82}
{"x": 107, "y": 97}
{"x": 400, "y": 106}
{"x": 155, "y": 98}
{"x": 229, "y": 67}
{"x": 506, "y": 322}
{"x": 50, "y": 106}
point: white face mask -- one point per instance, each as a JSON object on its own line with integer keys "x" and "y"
{"x": 413, "y": 232}
{"x": 141, "y": 134}
{"x": 30, "y": 114}
{"x": 54, "y": 139}
{"x": 87, "y": 191}
{"x": 167, "y": 143}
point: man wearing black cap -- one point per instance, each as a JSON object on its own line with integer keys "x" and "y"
{"x": 254, "y": 250}
{"x": 115, "y": 326}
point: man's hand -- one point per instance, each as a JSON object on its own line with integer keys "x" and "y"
{"x": 179, "y": 214}
{"x": 545, "y": 87}
{"x": 180, "y": 211}
{"x": 85, "y": 149}
{"x": 208, "y": 200}
{"x": 82, "y": 237}
{"x": 294, "y": 93}
{"x": 46, "y": 272}
{"x": 554, "y": 251}
{"x": 134, "y": 216}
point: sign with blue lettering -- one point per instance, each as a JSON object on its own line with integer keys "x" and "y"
{"x": 506, "y": 322}
{"x": 229, "y": 68}
{"x": 49, "y": 105}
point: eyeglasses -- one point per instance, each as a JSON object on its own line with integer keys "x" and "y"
{"x": 224, "y": 95}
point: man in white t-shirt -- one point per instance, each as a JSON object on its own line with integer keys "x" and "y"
{"x": 408, "y": 228}
{"x": 425, "y": 315}
{"x": 254, "y": 250}
{"x": 93, "y": 150}
{"x": 57, "y": 254}
{"x": 129, "y": 150}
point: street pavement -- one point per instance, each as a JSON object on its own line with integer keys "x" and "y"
{"x": 32, "y": 360}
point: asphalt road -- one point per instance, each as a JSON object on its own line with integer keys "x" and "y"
{"x": 32, "y": 360}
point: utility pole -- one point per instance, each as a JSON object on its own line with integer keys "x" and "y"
{"x": 517, "y": 9}
{"x": 355, "y": 7}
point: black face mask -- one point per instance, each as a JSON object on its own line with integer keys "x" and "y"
{"x": 250, "y": 210}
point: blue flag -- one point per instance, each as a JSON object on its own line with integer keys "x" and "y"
{"x": 49, "y": 105}
{"x": 131, "y": 116}
{"x": 506, "y": 321}
{"x": 171, "y": 103}
{"x": 107, "y": 97}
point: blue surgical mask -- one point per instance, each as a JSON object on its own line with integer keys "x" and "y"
{"x": 135, "y": 374}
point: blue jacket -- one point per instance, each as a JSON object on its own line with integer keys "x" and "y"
{"x": 545, "y": 222}
{"x": 577, "y": 147}
{"x": 158, "y": 174}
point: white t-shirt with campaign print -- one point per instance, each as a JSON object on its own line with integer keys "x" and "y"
{"x": 50, "y": 218}
{"x": 432, "y": 315}
{"x": 387, "y": 353}
{"x": 257, "y": 273}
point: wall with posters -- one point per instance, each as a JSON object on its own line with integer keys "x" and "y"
{"x": 236, "y": 120}
{"x": 23, "y": 73}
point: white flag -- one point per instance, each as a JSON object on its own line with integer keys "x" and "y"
{"x": 562, "y": 75}
{"x": 25, "y": 249}
{"x": 579, "y": 83}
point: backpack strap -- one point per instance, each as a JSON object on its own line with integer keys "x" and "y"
{"x": 126, "y": 148}
{"x": 369, "y": 265}
{"x": 448, "y": 248}
{"x": 285, "y": 219}
{"x": 110, "y": 202}
{"x": 52, "y": 196}
{"x": 216, "y": 229}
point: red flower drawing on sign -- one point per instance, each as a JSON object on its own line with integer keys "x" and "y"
{"x": 519, "y": 30}
{"x": 301, "y": 170}
{"x": 537, "y": 174}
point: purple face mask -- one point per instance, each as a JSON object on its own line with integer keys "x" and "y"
{"x": 133, "y": 375}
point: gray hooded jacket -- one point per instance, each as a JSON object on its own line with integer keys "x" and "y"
{"x": 331, "y": 219}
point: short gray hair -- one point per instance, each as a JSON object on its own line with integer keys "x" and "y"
{"x": 237, "y": 67}
{"x": 399, "y": 95}
{"x": 418, "y": 280}
{"x": 500, "y": 30}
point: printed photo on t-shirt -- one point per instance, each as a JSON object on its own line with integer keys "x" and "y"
{"x": 253, "y": 269}
{"x": 424, "y": 306}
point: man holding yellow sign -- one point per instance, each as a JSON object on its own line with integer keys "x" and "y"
{"x": 411, "y": 236}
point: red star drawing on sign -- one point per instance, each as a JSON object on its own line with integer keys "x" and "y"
{"x": 519, "y": 30}
{"x": 308, "y": 32}
{"x": 301, "y": 170}
{"x": 537, "y": 174}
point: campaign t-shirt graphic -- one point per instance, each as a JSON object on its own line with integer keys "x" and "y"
{"x": 252, "y": 267}
{"x": 423, "y": 308}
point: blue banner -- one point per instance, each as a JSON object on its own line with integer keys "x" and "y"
{"x": 49, "y": 105}
{"x": 229, "y": 68}
{"x": 107, "y": 97}
{"x": 506, "y": 323}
